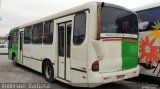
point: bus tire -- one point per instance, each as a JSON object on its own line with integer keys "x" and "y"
{"x": 49, "y": 72}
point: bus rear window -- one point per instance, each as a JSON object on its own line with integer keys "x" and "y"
{"x": 115, "y": 20}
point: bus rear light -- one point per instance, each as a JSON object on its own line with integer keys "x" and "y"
{"x": 95, "y": 66}
{"x": 83, "y": 68}
{"x": 134, "y": 72}
{"x": 106, "y": 78}
{"x": 84, "y": 77}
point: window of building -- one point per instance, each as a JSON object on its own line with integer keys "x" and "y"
{"x": 48, "y": 32}
{"x": 79, "y": 28}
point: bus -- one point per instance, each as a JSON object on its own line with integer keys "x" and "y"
{"x": 149, "y": 37}
{"x": 86, "y": 46}
{"x": 3, "y": 49}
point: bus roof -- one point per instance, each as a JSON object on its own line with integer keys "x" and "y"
{"x": 63, "y": 13}
{"x": 147, "y": 6}
{"x": 13, "y": 30}
{"x": 90, "y": 5}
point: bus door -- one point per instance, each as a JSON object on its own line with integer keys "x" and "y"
{"x": 21, "y": 47}
{"x": 64, "y": 45}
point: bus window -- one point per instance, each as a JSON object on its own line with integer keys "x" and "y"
{"x": 48, "y": 32}
{"x": 10, "y": 39}
{"x": 118, "y": 21}
{"x": 61, "y": 30}
{"x": 15, "y": 37}
{"x": 147, "y": 18}
{"x": 143, "y": 15}
{"x": 27, "y": 35}
{"x": 69, "y": 27}
{"x": 79, "y": 28}
{"x": 154, "y": 14}
{"x": 37, "y": 33}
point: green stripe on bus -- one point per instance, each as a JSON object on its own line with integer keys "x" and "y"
{"x": 129, "y": 55}
{"x": 13, "y": 48}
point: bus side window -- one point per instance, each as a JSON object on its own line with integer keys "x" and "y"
{"x": 15, "y": 37}
{"x": 48, "y": 32}
{"x": 10, "y": 40}
{"x": 79, "y": 28}
{"x": 27, "y": 35}
{"x": 37, "y": 33}
{"x": 143, "y": 20}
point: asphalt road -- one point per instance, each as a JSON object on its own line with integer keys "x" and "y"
{"x": 9, "y": 73}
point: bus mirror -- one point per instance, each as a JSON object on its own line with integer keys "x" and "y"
{"x": 9, "y": 38}
{"x": 102, "y": 4}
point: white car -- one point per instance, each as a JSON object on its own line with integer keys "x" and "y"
{"x": 3, "y": 48}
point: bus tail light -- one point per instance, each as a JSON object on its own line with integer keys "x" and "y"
{"x": 95, "y": 66}
{"x": 120, "y": 76}
{"x": 134, "y": 72}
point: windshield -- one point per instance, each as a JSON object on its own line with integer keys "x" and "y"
{"x": 115, "y": 20}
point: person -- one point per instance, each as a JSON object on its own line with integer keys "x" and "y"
{"x": 126, "y": 27}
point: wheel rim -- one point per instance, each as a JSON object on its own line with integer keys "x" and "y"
{"x": 48, "y": 72}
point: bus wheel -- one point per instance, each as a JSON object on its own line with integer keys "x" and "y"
{"x": 14, "y": 60}
{"x": 49, "y": 72}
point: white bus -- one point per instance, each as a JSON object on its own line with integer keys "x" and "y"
{"x": 149, "y": 37}
{"x": 86, "y": 46}
{"x": 3, "y": 48}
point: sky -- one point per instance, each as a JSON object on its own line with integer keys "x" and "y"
{"x": 18, "y": 12}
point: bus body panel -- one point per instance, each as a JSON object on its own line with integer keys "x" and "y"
{"x": 35, "y": 54}
{"x": 148, "y": 68}
{"x": 108, "y": 55}
{"x": 118, "y": 53}
{"x": 129, "y": 56}
{"x": 149, "y": 26}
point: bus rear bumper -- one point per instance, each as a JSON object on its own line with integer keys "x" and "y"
{"x": 115, "y": 76}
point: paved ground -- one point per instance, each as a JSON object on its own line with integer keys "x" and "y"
{"x": 10, "y": 73}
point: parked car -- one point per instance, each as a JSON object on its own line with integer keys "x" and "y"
{"x": 3, "y": 48}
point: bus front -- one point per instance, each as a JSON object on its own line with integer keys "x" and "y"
{"x": 117, "y": 44}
